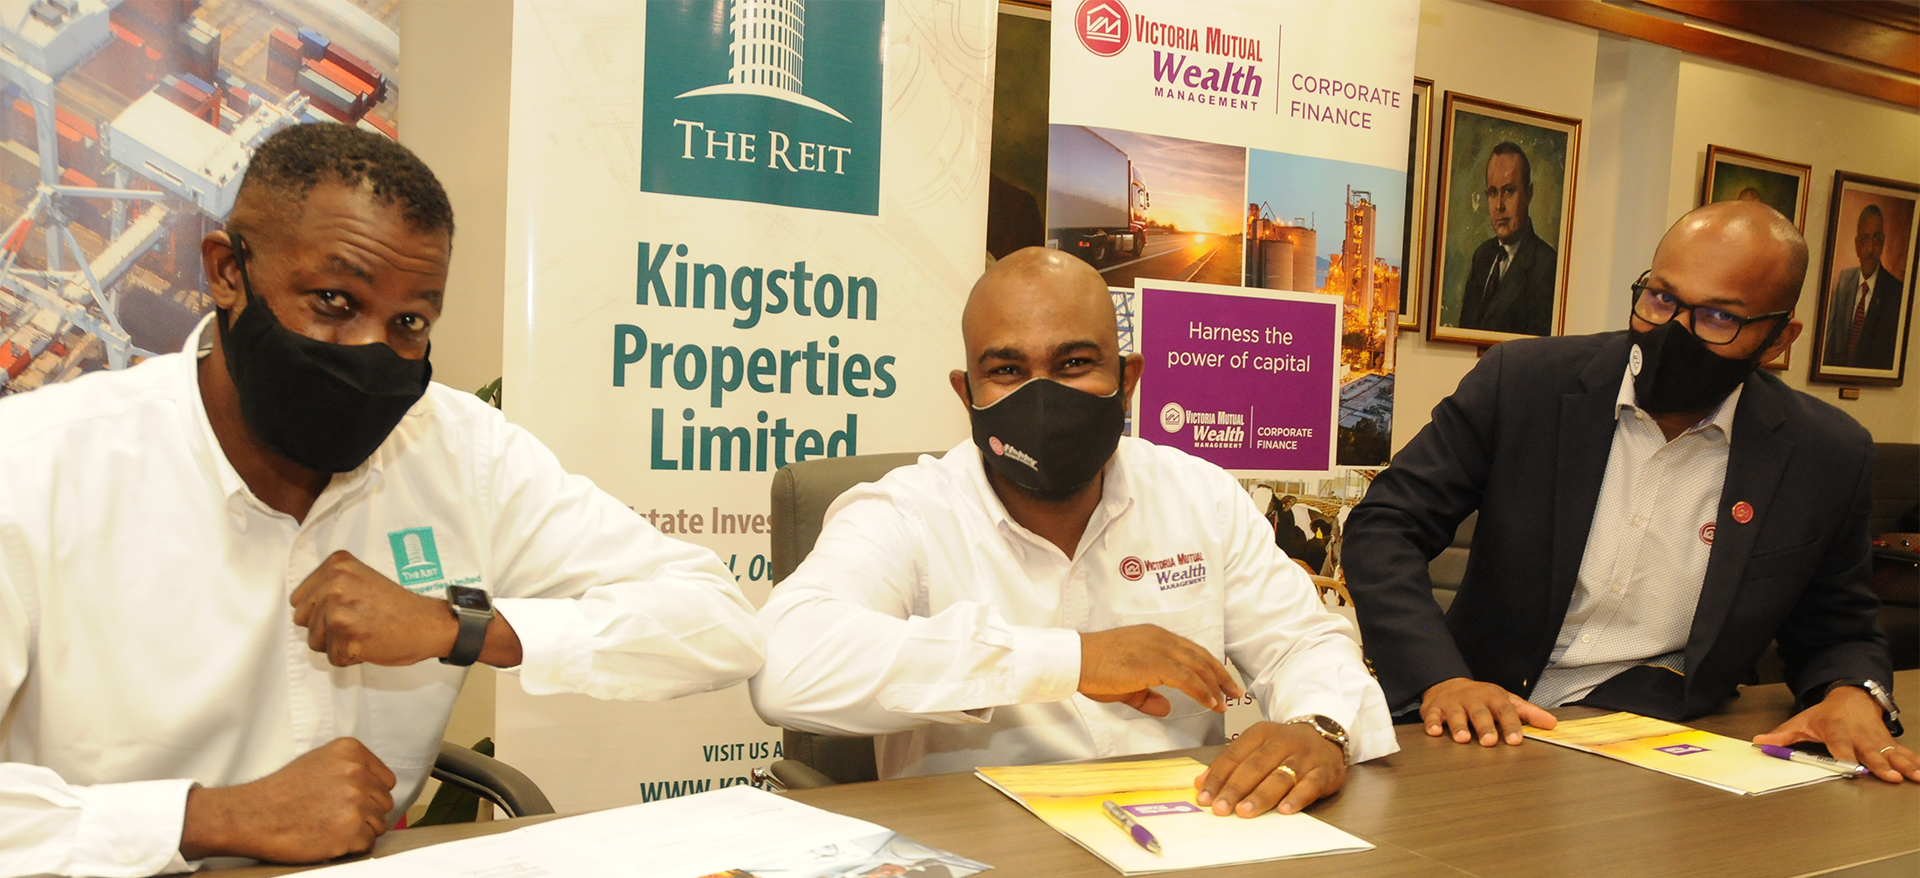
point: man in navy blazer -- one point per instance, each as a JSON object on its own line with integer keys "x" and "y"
{"x": 1879, "y": 336}
{"x": 1653, "y": 512}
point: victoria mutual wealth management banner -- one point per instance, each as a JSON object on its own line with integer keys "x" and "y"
{"x": 740, "y": 233}
{"x": 1248, "y": 146}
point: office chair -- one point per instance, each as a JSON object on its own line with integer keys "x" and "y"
{"x": 801, "y": 494}
{"x": 515, "y": 794}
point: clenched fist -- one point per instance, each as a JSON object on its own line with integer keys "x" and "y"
{"x": 1124, "y": 664}
{"x": 354, "y": 615}
{"x": 328, "y": 803}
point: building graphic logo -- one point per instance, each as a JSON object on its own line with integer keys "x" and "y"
{"x": 416, "y": 559}
{"x": 732, "y": 109}
{"x": 768, "y": 45}
{"x": 1103, "y": 27}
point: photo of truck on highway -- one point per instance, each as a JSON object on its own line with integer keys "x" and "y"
{"x": 1096, "y": 200}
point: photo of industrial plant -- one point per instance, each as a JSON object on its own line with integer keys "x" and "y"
{"x": 1145, "y": 206}
{"x": 125, "y": 128}
{"x": 1362, "y": 209}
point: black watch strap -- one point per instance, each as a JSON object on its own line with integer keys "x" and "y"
{"x": 1889, "y": 711}
{"x": 474, "y": 610}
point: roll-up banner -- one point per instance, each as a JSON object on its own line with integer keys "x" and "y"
{"x": 740, "y": 233}
{"x": 1237, "y": 171}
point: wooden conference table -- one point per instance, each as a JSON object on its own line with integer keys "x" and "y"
{"x": 1437, "y": 808}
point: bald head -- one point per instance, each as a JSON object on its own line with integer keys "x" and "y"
{"x": 1740, "y": 257}
{"x": 1039, "y": 313}
{"x": 1740, "y": 242}
{"x": 1042, "y": 286}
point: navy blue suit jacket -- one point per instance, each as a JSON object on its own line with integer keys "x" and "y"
{"x": 1524, "y": 440}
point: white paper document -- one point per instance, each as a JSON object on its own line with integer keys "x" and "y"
{"x": 740, "y": 829}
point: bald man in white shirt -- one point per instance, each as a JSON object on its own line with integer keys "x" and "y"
{"x": 1051, "y": 590}
{"x": 240, "y": 585}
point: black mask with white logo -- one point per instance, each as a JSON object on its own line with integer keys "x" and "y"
{"x": 1048, "y": 438}
{"x": 1673, "y": 371}
{"x": 324, "y": 406}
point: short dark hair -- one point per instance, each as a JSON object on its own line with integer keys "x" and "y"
{"x": 1508, "y": 147}
{"x": 1870, "y": 210}
{"x": 296, "y": 159}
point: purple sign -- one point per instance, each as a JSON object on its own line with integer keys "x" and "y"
{"x": 1244, "y": 381}
{"x": 1161, "y": 809}
{"x": 1681, "y": 749}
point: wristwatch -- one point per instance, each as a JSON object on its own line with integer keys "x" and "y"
{"x": 1327, "y": 728}
{"x": 474, "y": 609}
{"x": 1889, "y": 711}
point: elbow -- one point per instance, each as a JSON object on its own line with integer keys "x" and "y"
{"x": 786, "y": 706}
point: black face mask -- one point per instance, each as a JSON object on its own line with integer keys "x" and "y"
{"x": 324, "y": 406}
{"x": 1048, "y": 438}
{"x": 1673, "y": 371}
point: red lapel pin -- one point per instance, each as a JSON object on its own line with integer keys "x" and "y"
{"x": 1743, "y": 512}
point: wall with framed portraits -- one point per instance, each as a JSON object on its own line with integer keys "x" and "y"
{"x": 1648, "y": 117}
{"x": 1836, "y": 134}
{"x": 1540, "y": 64}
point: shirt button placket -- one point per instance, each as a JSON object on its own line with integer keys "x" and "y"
{"x": 307, "y": 701}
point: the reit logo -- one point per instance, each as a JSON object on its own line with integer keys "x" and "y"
{"x": 1103, "y": 27}
{"x": 769, "y": 101}
{"x": 1133, "y": 568}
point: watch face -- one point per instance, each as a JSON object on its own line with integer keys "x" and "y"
{"x": 468, "y": 598}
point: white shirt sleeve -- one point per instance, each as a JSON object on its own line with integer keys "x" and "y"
{"x": 1297, "y": 657}
{"x": 48, "y": 826}
{"x": 846, "y": 655}
{"x": 603, "y": 603}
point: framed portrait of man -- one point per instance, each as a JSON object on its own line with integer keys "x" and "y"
{"x": 1413, "y": 254}
{"x": 1866, "y": 282}
{"x": 1737, "y": 175}
{"x": 1503, "y": 223}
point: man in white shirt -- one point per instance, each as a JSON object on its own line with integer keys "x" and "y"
{"x": 1050, "y": 590}
{"x": 225, "y": 573}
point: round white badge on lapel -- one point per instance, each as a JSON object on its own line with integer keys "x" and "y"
{"x": 1634, "y": 360}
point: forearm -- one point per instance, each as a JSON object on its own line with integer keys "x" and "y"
{"x": 48, "y": 827}
{"x": 838, "y": 668}
{"x": 638, "y": 641}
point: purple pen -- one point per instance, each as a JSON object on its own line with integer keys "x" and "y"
{"x": 1837, "y": 766}
{"x": 1140, "y": 834}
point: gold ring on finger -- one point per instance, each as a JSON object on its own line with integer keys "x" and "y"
{"x": 1292, "y": 776}
{"x": 1884, "y": 749}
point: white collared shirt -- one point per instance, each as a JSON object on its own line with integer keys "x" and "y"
{"x": 927, "y": 615}
{"x": 1646, "y": 556}
{"x": 147, "y": 642}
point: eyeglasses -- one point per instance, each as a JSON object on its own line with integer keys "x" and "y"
{"x": 1712, "y": 326}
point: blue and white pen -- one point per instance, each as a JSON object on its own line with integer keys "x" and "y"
{"x": 1837, "y": 766}
{"x": 1140, "y": 834}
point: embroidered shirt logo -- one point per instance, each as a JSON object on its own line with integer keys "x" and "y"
{"x": 1171, "y": 572}
{"x": 416, "y": 559}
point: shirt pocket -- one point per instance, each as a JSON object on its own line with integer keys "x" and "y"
{"x": 1202, "y": 622}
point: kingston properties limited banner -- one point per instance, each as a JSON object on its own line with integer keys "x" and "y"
{"x": 1241, "y": 144}
{"x": 740, "y": 235}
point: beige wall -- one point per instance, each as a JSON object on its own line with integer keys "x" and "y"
{"x": 1624, "y": 90}
{"x": 455, "y": 56}
{"x": 454, "y": 61}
